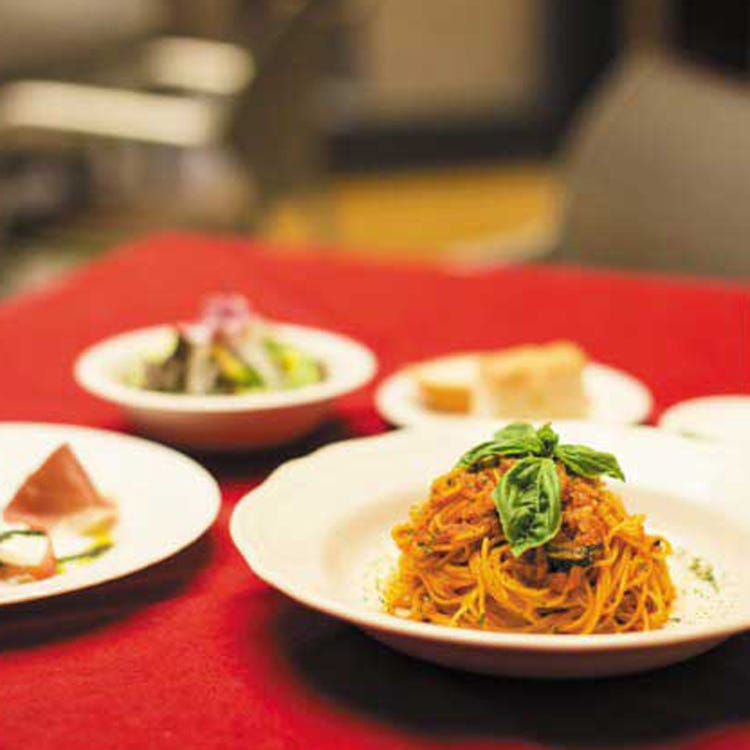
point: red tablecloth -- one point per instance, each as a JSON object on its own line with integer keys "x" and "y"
{"x": 197, "y": 652}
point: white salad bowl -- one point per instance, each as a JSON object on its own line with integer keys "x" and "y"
{"x": 319, "y": 530}
{"x": 224, "y": 422}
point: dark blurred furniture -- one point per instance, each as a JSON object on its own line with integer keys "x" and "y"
{"x": 71, "y": 38}
{"x": 143, "y": 116}
{"x": 712, "y": 34}
{"x": 574, "y": 43}
{"x": 658, "y": 170}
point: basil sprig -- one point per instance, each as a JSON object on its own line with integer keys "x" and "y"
{"x": 586, "y": 462}
{"x": 514, "y": 441}
{"x": 528, "y": 502}
{"x": 528, "y": 496}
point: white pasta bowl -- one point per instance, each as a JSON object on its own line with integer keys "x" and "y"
{"x": 318, "y": 530}
{"x": 224, "y": 422}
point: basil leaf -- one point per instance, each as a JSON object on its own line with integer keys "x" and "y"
{"x": 477, "y": 452}
{"x": 587, "y": 462}
{"x": 516, "y": 440}
{"x": 548, "y": 439}
{"x": 518, "y": 446}
{"x": 485, "y": 453}
{"x": 515, "y": 431}
{"x": 529, "y": 504}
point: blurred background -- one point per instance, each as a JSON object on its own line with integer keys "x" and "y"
{"x": 469, "y": 132}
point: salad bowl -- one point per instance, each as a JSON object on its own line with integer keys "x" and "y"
{"x": 224, "y": 421}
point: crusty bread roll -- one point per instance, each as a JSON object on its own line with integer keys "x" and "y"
{"x": 542, "y": 381}
{"x": 447, "y": 384}
{"x": 532, "y": 381}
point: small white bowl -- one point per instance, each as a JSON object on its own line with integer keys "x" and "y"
{"x": 224, "y": 422}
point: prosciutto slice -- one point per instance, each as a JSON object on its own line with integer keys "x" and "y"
{"x": 60, "y": 494}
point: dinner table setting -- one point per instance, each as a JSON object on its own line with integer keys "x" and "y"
{"x": 225, "y": 572}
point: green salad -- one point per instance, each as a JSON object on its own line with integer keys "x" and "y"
{"x": 228, "y": 351}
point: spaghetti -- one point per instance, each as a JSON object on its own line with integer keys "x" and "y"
{"x": 601, "y": 573}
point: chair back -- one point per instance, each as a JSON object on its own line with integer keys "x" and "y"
{"x": 658, "y": 171}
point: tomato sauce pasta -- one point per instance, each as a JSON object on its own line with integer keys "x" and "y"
{"x": 601, "y": 573}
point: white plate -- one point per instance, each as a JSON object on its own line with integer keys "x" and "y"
{"x": 614, "y": 396}
{"x": 319, "y": 530}
{"x": 714, "y": 417}
{"x": 250, "y": 420}
{"x": 165, "y": 500}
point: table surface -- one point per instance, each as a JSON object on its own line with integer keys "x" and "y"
{"x": 197, "y": 652}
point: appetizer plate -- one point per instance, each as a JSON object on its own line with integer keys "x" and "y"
{"x": 614, "y": 396}
{"x": 319, "y": 531}
{"x": 165, "y": 500}
{"x": 712, "y": 417}
{"x": 218, "y": 422}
